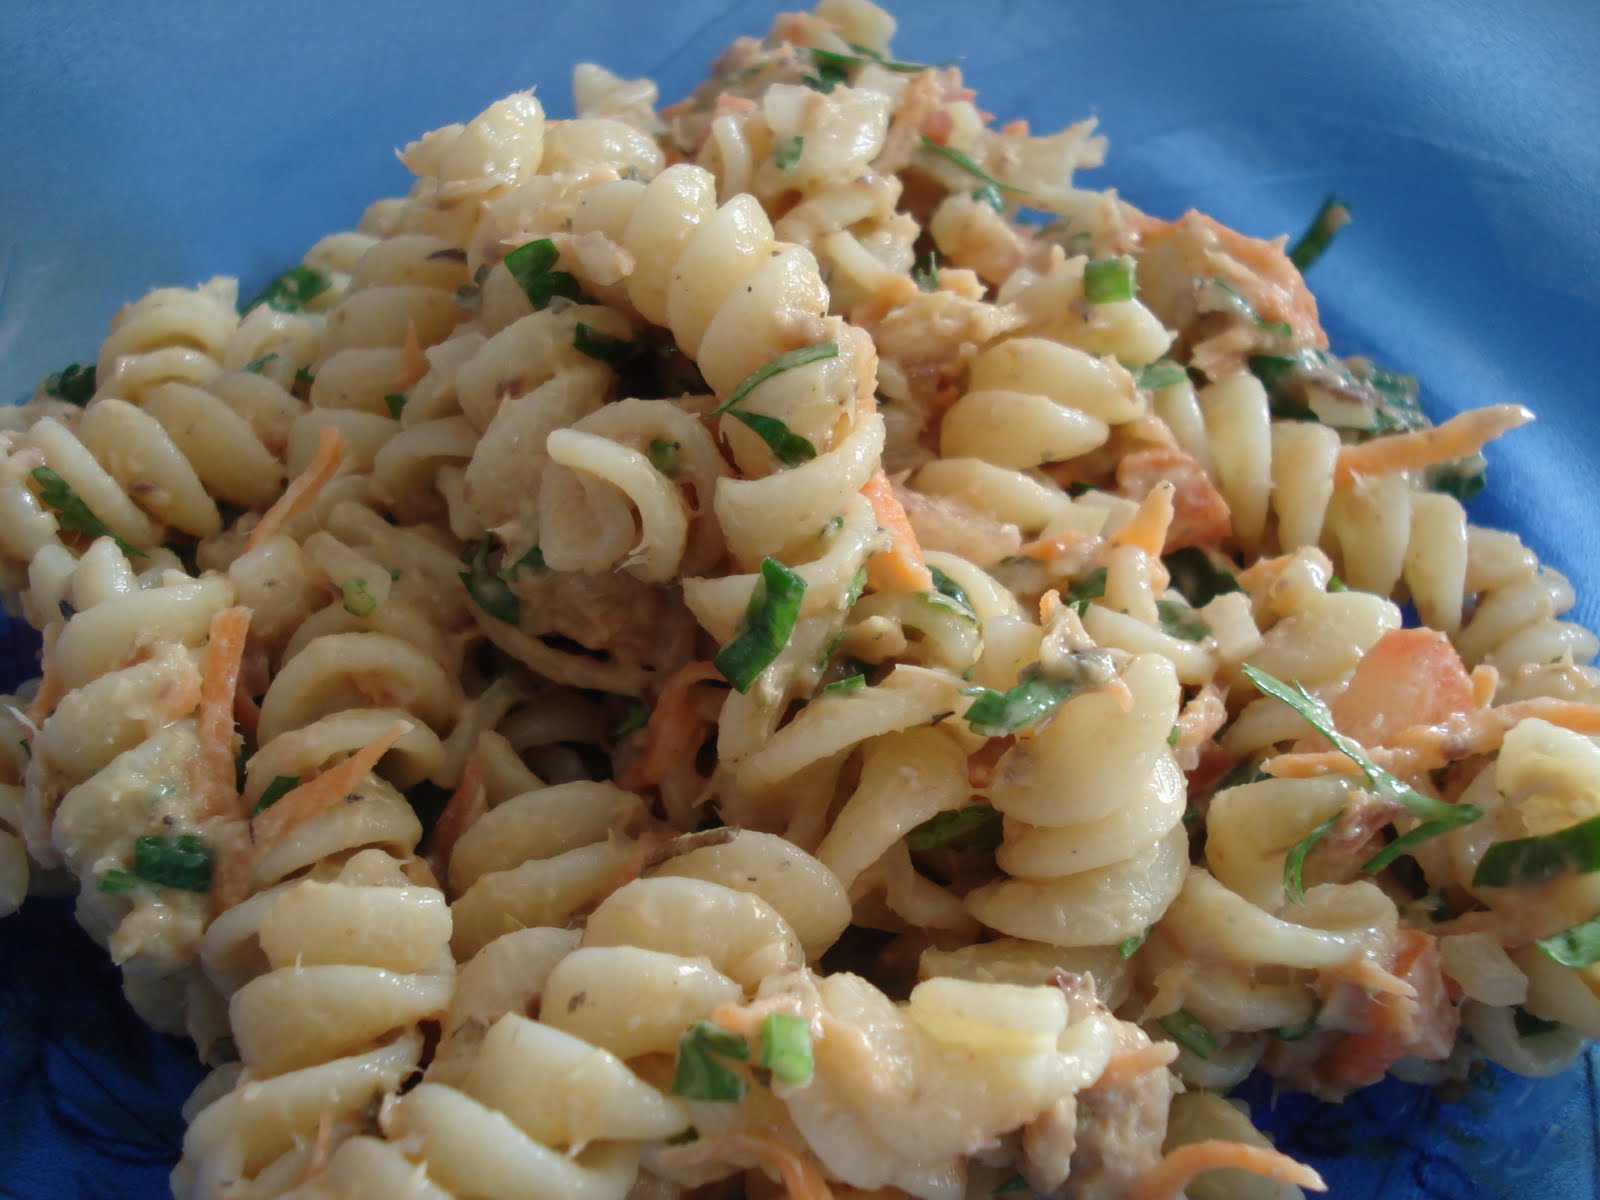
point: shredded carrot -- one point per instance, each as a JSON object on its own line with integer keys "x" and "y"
{"x": 464, "y": 807}
{"x": 1200, "y": 514}
{"x": 1148, "y": 528}
{"x": 900, "y": 567}
{"x": 1485, "y": 683}
{"x": 211, "y": 779}
{"x": 233, "y": 874}
{"x": 1048, "y": 603}
{"x": 802, "y": 1179}
{"x": 1044, "y": 549}
{"x": 302, "y": 489}
{"x": 1258, "y": 269}
{"x": 1429, "y": 747}
{"x": 1177, "y": 1169}
{"x": 50, "y": 690}
{"x": 1202, "y": 716}
{"x": 671, "y": 729}
{"x": 1461, "y": 435}
{"x": 323, "y": 792}
{"x": 1126, "y": 1065}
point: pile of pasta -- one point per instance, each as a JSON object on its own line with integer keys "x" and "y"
{"x": 779, "y": 643}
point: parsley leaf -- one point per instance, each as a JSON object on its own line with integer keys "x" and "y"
{"x": 530, "y": 265}
{"x": 787, "y": 447}
{"x": 291, "y": 291}
{"x": 975, "y": 827}
{"x": 768, "y": 623}
{"x": 280, "y": 787}
{"x": 74, "y": 383}
{"x": 1034, "y": 697}
{"x": 699, "y": 1075}
{"x": 72, "y": 513}
{"x": 786, "y": 153}
{"x": 1530, "y": 861}
{"x": 1181, "y": 621}
{"x": 1437, "y": 816}
{"x": 798, "y": 357}
{"x": 488, "y": 589}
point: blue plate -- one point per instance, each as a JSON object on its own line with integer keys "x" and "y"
{"x": 161, "y": 144}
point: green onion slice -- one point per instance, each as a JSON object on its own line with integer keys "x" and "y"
{"x": 699, "y": 1073}
{"x": 75, "y": 383}
{"x": 966, "y": 163}
{"x": 1108, "y": 279}
{"x": 786, "y": 1048}
{"x": 280, "y": 787}
{"x": 1333, "y": 216}
{"x": 1294, "y": 864}
{"x": 1129, "y": 946}
{"x": 1190, "y": 1034}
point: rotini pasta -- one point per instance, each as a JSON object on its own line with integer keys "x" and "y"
{"x": 701, "y": 650}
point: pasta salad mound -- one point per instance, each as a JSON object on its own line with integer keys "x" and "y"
{"x": 781, "y": 643}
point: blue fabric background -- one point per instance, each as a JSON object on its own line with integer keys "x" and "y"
{"x": 166, "y": 142}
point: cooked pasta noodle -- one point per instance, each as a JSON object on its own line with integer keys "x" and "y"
{"x": 703, "y": 650}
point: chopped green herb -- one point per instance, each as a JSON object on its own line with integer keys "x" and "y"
{"x": 790, "y": 359}
{"x": 975, "y": 827}
{"x": 1108, "y": 279}
{"x": 1293, "y": 1033}
{"x": 699, "y": 1075}
{"x": 832, "y": 70}
{"x": 280, "y": 787}
{"x": 1015, "y": 1184}
{"x": 1195, "y": 575}
{"x": 487, "y": 589}
{"x": 927, "y": 278}
{"x": 1191, "y": 814}
{"x": 638, "y": 717}
{"x": 613, "y": 351}
{"x": 179, "y": 860}
{"x": 665, "y": 456}
{"x": 291, "y": 291}
{"x": 786, "y": 153}
{"x": 1129, "y": 946}
{"x": 1335, "y": 584}
{"x": 786, "y": 1048}
{"x": 1181, "y": 621}
{"x": 844, "y": 687}
{"x": 1577, "y": 946}
{"x": 74, "y": 383}
{"x": 689, "y": 1135}
{"x": 965, "y": 162}
{"x": 1462, "y": 478}
{"x": 256, "y": 365}
{"x": 530, "y": 265}
{"x": 946, "y": 586}
{"x": 769, "y": 620}
{"x": 989, "y": 194}
{"x": 116, "y": 882}
{"x": 72, "y": 513}
{"x": 889, "y": 64}
{"x": 358, "y": 598}
{"x": 27, "y": 749}
{"x": 787, "y": 447}
{"x": 1528, "y": 1025}
{"x": 1035, "y": 697}
{"x": 1174, "y": 736}
{"x": 1294, "y": 864}
{"x": 1091, "y": 587}
{"x": 858, "y": 584}
{"x": 1163, "y": 373}
{"x": 1190, "y": 1034}
{"x": 533, "y": 560}
{"x": 1437, "y": 816}
{"x": 1529, "y": 861}
{"x": 396, "y": 402}
{"x": 1333, "y": 216}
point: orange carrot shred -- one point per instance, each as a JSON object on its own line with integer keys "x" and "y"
{"x": 901, "y": 566}
{"x": 302, "y": 489}
{"x": 212, "y": 775}
{"x": 1463, "y": 434}
{"x": 50, "y": 690}
{"x": 1148, "y": 527}
{"x": 672, "y": 726}
{"x": 325, "y": 791}
{"x": 463, "y": 807}
{"x": 1167, "y": 1179}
